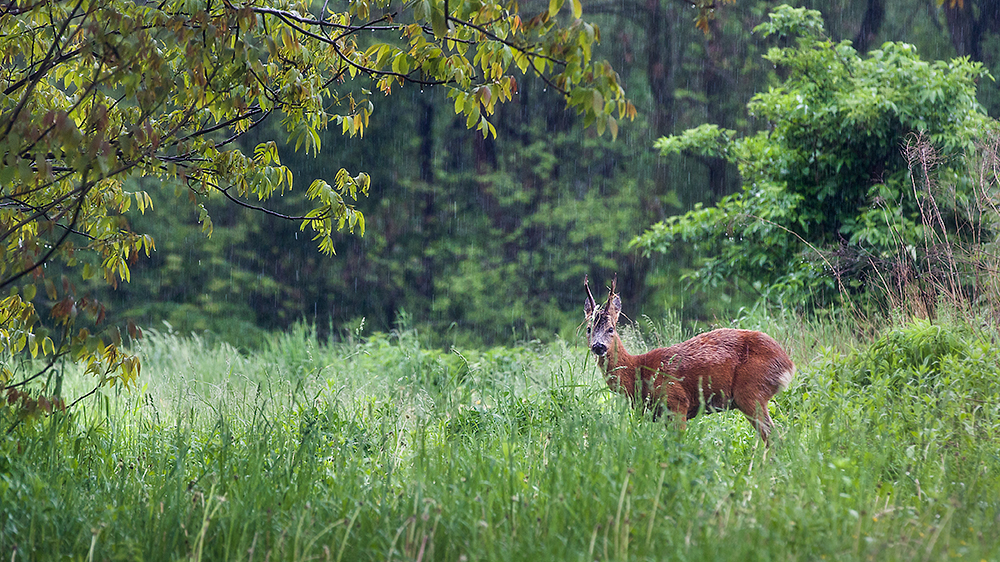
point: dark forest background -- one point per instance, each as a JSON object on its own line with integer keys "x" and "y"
{"x": 474, "y": 240}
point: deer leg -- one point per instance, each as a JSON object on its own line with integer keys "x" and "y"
{"x": 762, "y": 421}
{"x": 754, "y": 407}
{"x": 678, "y": 404}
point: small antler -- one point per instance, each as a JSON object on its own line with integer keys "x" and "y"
{"x": 591, "y": 304}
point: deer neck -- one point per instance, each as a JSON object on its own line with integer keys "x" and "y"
{"x": 619, "y": 368}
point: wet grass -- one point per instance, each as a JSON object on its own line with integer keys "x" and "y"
{"x": 382, "y": 449}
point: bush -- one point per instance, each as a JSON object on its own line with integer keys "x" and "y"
{"x": 827, "y": 201}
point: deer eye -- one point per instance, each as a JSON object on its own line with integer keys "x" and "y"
{"x": 611, "y": 329}
{"x": 588, "y": 329}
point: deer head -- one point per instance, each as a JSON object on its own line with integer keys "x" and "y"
{"x": 601, "y": 320}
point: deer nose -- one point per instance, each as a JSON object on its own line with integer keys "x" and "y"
{"x": 599, "y": 348}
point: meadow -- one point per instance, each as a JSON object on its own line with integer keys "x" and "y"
{"x": 377, "y": 447}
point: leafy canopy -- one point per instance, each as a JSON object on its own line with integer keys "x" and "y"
{"x": 827, "y": 174}
{"x": 94, "y": 93}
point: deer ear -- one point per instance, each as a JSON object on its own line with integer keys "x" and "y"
{"x": 614, "y": 307}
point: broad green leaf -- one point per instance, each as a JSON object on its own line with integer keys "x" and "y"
{"x": 438, "y": 22}
{"x": 554, "y": 7}
{"x": 421, "y": 10}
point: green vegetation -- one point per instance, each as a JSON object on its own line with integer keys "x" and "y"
{"x": 379, "y": 448}
{"x": 481, "y": 239}
{"x": 267, "y": 424}
{"x": 102, "y": 101}
{"x": 828, "y": 190}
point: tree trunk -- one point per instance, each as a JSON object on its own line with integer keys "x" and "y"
{"x": 659, "y": 68}
{"x": 870, "y": 24}
{"x": 717, "y": 86}
{"x": 968, "y": 21}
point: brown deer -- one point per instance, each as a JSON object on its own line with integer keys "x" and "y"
{"x": 717, "y": 370}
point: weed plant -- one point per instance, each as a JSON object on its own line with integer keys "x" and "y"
{"x": 379, "y": 448}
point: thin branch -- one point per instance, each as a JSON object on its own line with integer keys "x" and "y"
{"x": 313, "y": 21}
{"x": 222, "y": 125}
{"x": 335, "y": 77}
{"x": 371, "y": 71}
{"x": 549, "y": 82}
{"x": 34, "y": 76}
{"x": 42, "y": 211}
{"x": 370, "y": 26}
{"x": 44, "y": 214}
{"x": 13, "y": 9}
{"x": 62, "y": 239}
{"x": 252, "y": 125}
{"x": 48, "y": 367}
{"x": 538, "y": 73}
{"x": 265, "y": 210}
{"x": 493, "y": 37}
{"x": 41, "y": 71}
{"x": 87, "y": 395}
{"x": 291, "y": 19}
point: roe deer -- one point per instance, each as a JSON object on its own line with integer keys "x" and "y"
{"x": 721, "y": 369}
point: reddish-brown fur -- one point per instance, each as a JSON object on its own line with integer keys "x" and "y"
{"x": 717, "y": 370}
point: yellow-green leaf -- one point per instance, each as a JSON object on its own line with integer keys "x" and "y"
{"x": 554, "y": 6}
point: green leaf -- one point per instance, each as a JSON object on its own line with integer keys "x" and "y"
{"x": 554, "y": 7}
{"x": 421, "y": 10}
{"x": 438, "y": 22}
{"x": 521, "y": 60}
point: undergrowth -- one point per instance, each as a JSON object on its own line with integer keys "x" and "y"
{"x": 378, "y": 448}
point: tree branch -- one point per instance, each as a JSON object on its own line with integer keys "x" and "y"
{"x": 45, "y": 67}
{"x": 44, "y": 214}
{"x": 369, "y": 71}
{"x": 285, "y": 15}
{"x": 84, "y": 188}
{"x": 222, "y": 125}
{"x": 265, "y": 210}
{"x": 46, "y": 369}
{"x": 493, "y": 37}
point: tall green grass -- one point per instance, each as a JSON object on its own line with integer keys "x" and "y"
{"x": 379, "y": 448}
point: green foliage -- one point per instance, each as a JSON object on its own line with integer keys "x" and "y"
{"x": 481, "y": 241}
{"x": 379, "y": 447}
{"x": 828, "y": 174}
{"x": 94, "y": 95}
{"x": 907, "y": 354}
{"x": 190, "y": 283}
{"x": 704, "y": 140}
{"x": 909, "y": 401}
